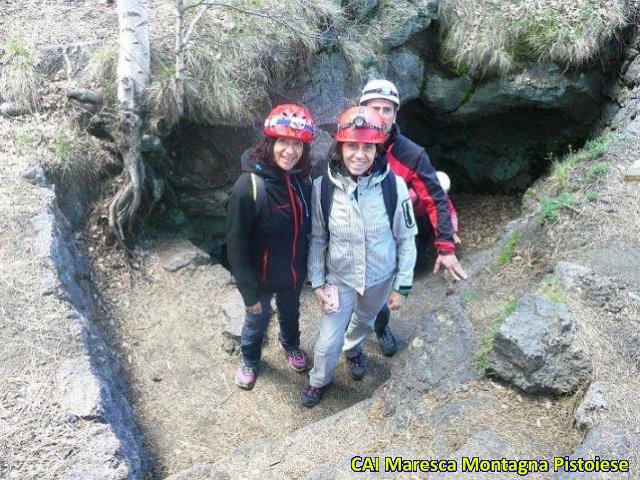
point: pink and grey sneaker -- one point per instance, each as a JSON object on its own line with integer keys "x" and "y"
{"x": 246, "y": 376}
{"x": 297, "y": 359}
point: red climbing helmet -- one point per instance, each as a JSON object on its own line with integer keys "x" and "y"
{"x": 290, "y": 121}
{"x": 361, "y": 124}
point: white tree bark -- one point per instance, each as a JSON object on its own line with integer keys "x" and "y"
{"x": 133, "y": 78}
{"x": 133, "y": 61}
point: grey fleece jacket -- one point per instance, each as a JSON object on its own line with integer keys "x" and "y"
{"x": 362, "y": 250}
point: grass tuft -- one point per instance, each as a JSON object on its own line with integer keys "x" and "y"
{"x": 551, "y": 288}
{"x": 591, "y": 195}
{"x": 489, "y": 37}
{"x": 598, "y": 170}
{"x": 509, "y": 249}
{"x": 488, "y": 341}
{"x": 19, "y": 77}
{"x": 101, "y": 72}
{"x": 468, "y": 296}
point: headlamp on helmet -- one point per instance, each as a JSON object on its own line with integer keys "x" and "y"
{"x": 361, "y": 124}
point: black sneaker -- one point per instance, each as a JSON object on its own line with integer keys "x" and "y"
{"x": 387, "y": 342}
{"x": 310, "y": 396}
{"x": 357, "y": 366}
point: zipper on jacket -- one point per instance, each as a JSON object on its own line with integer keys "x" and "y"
{"x": 294, "y": 208}
{"x": 265, "y": 263}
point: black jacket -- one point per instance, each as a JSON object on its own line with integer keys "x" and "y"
{"x": 267, "y": 249}
{"x": 411, "y": 162}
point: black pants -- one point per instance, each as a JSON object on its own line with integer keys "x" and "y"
{"x": 288, "y": 303}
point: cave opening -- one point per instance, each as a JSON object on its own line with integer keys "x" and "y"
{"x": 498, "y": 154}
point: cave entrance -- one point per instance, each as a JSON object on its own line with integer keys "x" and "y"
{"x": 502, "y": 153}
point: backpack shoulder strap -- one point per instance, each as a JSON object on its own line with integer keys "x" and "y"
{"x": 257, "y": 192}
{"x": 326, "y": 199}
{"x": 390, "y": 195}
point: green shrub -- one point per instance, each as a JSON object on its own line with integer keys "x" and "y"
{"x": 509, "y": 249}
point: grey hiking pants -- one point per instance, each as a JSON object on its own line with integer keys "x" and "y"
{"x": 333, "y": 338}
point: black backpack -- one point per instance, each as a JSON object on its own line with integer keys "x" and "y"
{"x": 389, "y": 193}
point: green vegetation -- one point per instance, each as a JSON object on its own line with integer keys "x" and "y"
{"x": 596, "y": 147}
{"x": 551, "y": 206}
{"x": 23, "y": 142}
{"x": 560, "y": 169}
{"x": 581, "y": 185}
{"x": 19, "y": 78}
{"x": 468, "y": 296}
{"x": 552, "y": 289}
{"x": 597, "y": 170}
{"x": 624, "y": 137}
{"x": 509, "y": 249}
{"x": 488, "y": 341}
{"x": 591, "y": 195}
{"x": 495, "y": 37}
{"x": 63, "y": 153}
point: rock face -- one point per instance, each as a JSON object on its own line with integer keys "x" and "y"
{"x": 486, "y": 133}
{"x": 535, "y": 350}
{"x": 493, "y": 133}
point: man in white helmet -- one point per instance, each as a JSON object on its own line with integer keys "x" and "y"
{"x": 430, "y": 205}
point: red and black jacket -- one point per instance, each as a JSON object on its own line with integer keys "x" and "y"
{"x": 267, "y": 247}
{"x": 411, "y": 162}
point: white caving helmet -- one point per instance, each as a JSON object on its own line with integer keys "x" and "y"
{"x": 445, "y": 183}
{"x": 380, "y": 89}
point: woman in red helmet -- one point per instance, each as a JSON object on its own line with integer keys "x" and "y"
{"x": 268, "y": 223}
{"x": 362, "y": 250}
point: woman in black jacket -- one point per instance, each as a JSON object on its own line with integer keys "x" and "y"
{"x": 268, "y": 224}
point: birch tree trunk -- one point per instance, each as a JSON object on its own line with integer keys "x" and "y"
{"x": 181, "y": 54}
{"x": 133, "y": 78}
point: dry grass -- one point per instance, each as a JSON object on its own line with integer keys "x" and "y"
{"x": 76, "y": 159}
{"x": 100, "y": 72}
{"x": 19, "y": 78}
{"x": 361, "y": 44}
{"x": 235, "y": 58}
{"x": 492, "y": 37}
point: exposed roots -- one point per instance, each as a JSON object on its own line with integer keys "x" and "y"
{"x": 125, "y": 204}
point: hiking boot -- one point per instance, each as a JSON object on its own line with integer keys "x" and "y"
{"x": 246, "y": 376}
{"x": 357, "y": 366}
{"x": 387, "y": 342}
{"x": 297, "y": 359}
{"x": 310, "y": 396}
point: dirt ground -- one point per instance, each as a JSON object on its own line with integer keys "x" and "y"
{"x": 168, "y": 329}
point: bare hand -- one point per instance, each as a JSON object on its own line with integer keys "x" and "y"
{"x": 451, "y": 263}
{"x": 395, "y": 301}
{"x": 254, "y": 309}
{"x": 322, "y": 298}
